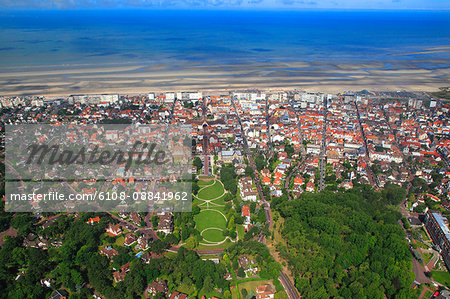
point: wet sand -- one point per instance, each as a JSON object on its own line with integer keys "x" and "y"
{"x": 414, "y": 74}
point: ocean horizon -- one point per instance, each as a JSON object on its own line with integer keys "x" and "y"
{"x": 257, "y": 43}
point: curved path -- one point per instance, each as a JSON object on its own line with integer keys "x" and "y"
{"x": 208, "y": 205}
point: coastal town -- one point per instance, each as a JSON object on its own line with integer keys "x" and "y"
{"x": 257, "y": 155}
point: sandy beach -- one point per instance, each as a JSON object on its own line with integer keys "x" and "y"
{"x": 312, "y": 76}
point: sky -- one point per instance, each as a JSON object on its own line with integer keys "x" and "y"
{"x": 227, "y": 4}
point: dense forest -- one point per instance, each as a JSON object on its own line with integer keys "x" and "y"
{"x": 347, "y": 244}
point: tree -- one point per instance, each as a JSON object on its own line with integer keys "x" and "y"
{"x": 240, "y": 272}
{"x": 260, "y": 162}
{"x": 244, "y": 292}
{"x": 155, "y": 221}
{"x": 191, "y": 242}
{"x": 208, "y": 284}
{"x": 198, "y": 163}
{"x": 249, "y": 171}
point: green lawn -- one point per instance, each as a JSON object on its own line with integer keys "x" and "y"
{"x": 421, "y": 245}
{"x": 225, "y": 244}
{"x": 241, "y": 231}
{"x": 427, "y": 257}
{"x": 210, "y": 218}
{"x": 442, "y": 277}
{"x": 119, "y": 241}
{"x": 427, "y": 294}
{"x": 213, "y": 235}
{"x": 202, "y": 183}
{"x": 250, "y": 286}
{"x": 212, "y": 191}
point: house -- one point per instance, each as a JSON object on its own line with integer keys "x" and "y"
{"x": 310, "y": 186}
{"x": 108, "y": 251}
{"x": 130, "y": 238}
{"x": 142, "y": 243}
{"x": 157, "y": 286}
{"x": 282, "y": 156}
{"x": 265, "y": 291}
{"x": 146, "y": 257}
{"x": 93, "y": 220}
{"x": 165, "y": 224}
{"x": 120, "y": 275}
{"x": 298, "y": 180}
{"x": 113, "y": 230}
{"x": 244, "y": 262}
{"x": 246, "y": 189}
{"x": 59, "y": 294}
{"x": 178, "y": 295}
{"x": 135, "y": 218}
{"x": 346, "y": 184}
{"x": 246, "y": 215}
{"x": 265, "y": 172}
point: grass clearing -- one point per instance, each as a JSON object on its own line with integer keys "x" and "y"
{"x": 225, "y": 244}
{"x": 211, "y": 222}
{"x": 212, "y": 191}
{"x": 202, "y": 183}
{"x": 210, "y": 219}
{"x": 427, "y": 257}
{"x": 119, "y": 241}
{"x": 443, "y": 277}
{"x": 241, "y": 231}
{"x": 427, "y": 294}
{"x": 213, "y": 235}
{"x": 251, "y": 286}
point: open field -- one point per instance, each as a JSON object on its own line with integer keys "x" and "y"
{"x": 211, "y": 222}
{"x": 250, "y": 286}
{"x": 213, "y": 191}
{"x": 210, "y": 219}
{"x": 443, "y": 277}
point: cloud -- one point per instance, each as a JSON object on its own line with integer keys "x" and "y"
{"x": 298, "y": 2}
{"x": 188, "y": 4}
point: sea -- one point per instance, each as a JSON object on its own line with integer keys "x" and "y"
{"x": 118, "y": 37}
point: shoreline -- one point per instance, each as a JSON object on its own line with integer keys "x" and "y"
{"x": 328, "y": 77}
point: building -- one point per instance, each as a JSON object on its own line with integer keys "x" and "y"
{"x": 130, "y": 238}
{"x": 231, "y": 156}
{"x": 108, "y": 251}
{"x": 165, "y": 224}
{"x": 114, "y": 230}
{"x": 246, "y": 189}
{"x": 59, "y": 294}
{"x": 95, "y": 99}
{"x": 265, "y": 291}
{"x": 178, "y": 295}
{"x": 438, "y": 228}
{"x": 120, "y": 275}
{"x": 157, "y": 286}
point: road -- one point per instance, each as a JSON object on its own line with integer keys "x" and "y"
{"x": 372, "y": 179}
{"x": 303, "y": 152}
{"x": 288, "y": 178}
{"x": 323, "y": 149}
{"x": 288, "y": 286}
{"x": 205, "y": 138}
{"x": 269, "y": 143}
